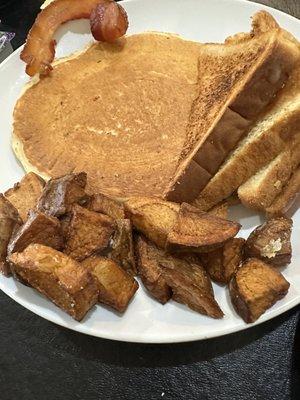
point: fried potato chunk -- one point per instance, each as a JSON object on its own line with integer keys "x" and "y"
{"x": 182, "y": 277}
{"x": 150, "y": 271}
{"x": 198, "y": 231}
{"x": 107, "y": 205}
{"x": 25, "y": 194}
{"x": 39, "y": 228}
{"x": 222, "y": 263}
{"x": 255, "y": 287}
{"x": 121, "y": 246}
{"x": 116, "y": 287}
{"x": 64, "y": 281}
{"x": 9, "y": 220}
{"x": 153, "y": 217}
{"x": 271, "y": 242}
{"x": 88, "y": 233}
{"x": 60, "y": 194}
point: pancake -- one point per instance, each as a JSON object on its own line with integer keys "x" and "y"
{"x": 116, "y": 111}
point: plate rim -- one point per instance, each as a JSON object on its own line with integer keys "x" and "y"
{"x": 138, "y": 338}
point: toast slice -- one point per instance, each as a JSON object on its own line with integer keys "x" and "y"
{"x": 260, "y": 191}
{"x": 265, "y": 141}
{"x": 256, "y": 287}
{"x": 237, "y": 82}
{"x": 116, "y": 287}
{"x": 88, "y": 233}
{"x": 271, "y": 242}
{"x": 287, "y": 202}
{"x": 107, "y": 205}
{"x": 9, "y": 221}
{"x": 60, "y": 278}
{"x": 25, "y": 194}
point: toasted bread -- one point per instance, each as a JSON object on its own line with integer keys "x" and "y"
{"x": 153, "y": 217}
{"x": 286, "y": 203}
{"x": 197, "y": 231}
{"x": 269, "y": 136}
{"x": 237, "y": 82}
{"x": 261, "y": 189}
{"x": 220, "y": 210}
{"x": 88, "y": 233}
{"x": 40, "y": 229}
{"x": 271, "y": 242}
{"x": 121, "y": 246}
{"x": 255, "y": 287}
{"x": 149, "y": 270}
{"x": 25, "y": 194}
{"x": 9, "y": 221}
{"x": 64, "y": 281}
{"x": 116, "y": 287}
{"x": 222, "y": 263}
{"x": 61, "y": 193}
{"x": 107, "y": 205}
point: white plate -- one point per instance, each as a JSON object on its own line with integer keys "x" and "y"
{"x": 146, "y": 320}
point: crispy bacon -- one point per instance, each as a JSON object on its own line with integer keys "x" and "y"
{"x": 39, "y": 50}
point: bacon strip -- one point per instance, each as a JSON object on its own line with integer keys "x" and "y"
{"x": 39, "y": 50}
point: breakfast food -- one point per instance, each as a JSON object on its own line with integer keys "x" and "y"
{"x": 222, "y": 263}
{"x": 200, "y": 232}
{"x": 256, "y": 287}
{"x": 88, "y": 233}
{"x": 39, "y": 228}
{"x": 121, "y": 246}
{"x": 9, "y": 220}
{"x": 181, "y": 278}
{"x": 271, "y": 242}
{"x": 170, "y": 133}
{"x": 260, "y": 191}
{"x": 60, "y": 278}
{"x": 268, "y": 137}
{"x": 39, "y": 50}
{"x": 61, "y": 193}
{"x": 25, "y": 194}
{"x": 150, "y": 271}
{"x": 115, "y": 287}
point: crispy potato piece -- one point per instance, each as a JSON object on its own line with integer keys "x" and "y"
{"x": 190, "y": 283}
{"x": 255, "y": 287}
{"x": 9, "y": 220}
{"x": 116, "y": 287}
{"x": 39, "y": 228}
{"x": 60, "y": 194}
{"x": 64, "y": 281}
{"x": 197, "y": 231}
{"x": 153, "y": 217}
{"x": 222, "y": 263}
{"x": 25, "y": 194}
{"x": 107, "y": 205}
{"x": 220, "y": 210}
{"x": 121, "y": 246}
{"x": 150, "y": 271}
{"x": 271, "y": 242}
{"x": 88, "y": 233}
{"x": 182, "y": 277}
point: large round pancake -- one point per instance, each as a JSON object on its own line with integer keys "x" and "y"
{"x": 118, "y": 112}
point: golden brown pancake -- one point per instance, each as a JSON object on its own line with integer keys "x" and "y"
{"x": 118, "y": 112}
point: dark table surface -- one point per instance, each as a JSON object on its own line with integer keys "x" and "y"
{"x": 41, "y": 361}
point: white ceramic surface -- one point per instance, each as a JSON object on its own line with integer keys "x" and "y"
{"x": 146, "y": 320}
